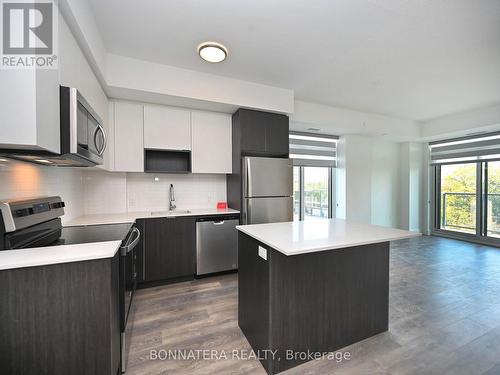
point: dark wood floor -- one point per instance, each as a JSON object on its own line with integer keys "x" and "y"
{"x": 444, "y": 319}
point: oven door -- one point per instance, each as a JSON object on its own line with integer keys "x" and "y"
{"x": 128, "y": 285}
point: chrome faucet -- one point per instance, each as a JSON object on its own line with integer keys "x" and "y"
{"x": 171, "y": 198}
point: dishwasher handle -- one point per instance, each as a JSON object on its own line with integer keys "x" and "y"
{"x": 217, "y": 219}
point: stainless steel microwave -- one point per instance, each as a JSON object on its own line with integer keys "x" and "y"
{"x": 83, "y": 138}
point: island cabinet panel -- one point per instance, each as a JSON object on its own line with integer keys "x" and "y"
{"x": 253, "y": 294}
{"x": 61, "y": 319}
{"x": 314, "y": 302}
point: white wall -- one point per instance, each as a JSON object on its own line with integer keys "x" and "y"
{"x": 412, "y": 183}
{"x": 342, "y": 121}
{"x": 20, "y": 180}
{"x": 416, "y": 186}
{"x": 80, "y": 19}
{"x": 126, "y": 76}
{"x": 385, "y": 209}
{"x": 358, "y": 178}
{"x": 459, "y": 124}
{"x": 75, "y": 71}
{"x": 341, "y": 180}
{"x": 404, "y": 186}
{"x": 367, "y": 180}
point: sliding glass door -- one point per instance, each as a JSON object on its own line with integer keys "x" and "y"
{"x": 312, "y": 192}
{"x": 297, "y": 194}
{"x": 314, "y": 159}
{"x": 316, "y": 192}
{"x": 467, "y": 187}
{"x": 458, "y": 197}
{"x": 467, "y": 200}
{"x": 492, "y": 221}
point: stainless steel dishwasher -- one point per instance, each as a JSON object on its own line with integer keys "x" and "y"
{"x": 216, "y": 244}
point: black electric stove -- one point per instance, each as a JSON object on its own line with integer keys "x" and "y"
{"x": 93, "y": 233}
{"x": 52, "y": 233}
{"x": 35, "y": 223}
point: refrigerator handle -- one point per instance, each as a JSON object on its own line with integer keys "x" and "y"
{"x": 244, "y": 213}
{"x": 247, "y": 213}
{"x": 246, "y": 177}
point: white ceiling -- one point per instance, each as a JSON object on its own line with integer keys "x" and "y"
{"x": 416, "y": 59}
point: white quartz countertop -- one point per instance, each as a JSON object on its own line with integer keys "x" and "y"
{"x": 300, "y": 237}
{"x": 41, "y": 256}
{"x": 131, "y": 217}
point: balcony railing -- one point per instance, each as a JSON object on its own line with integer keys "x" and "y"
{"x": 316, "y": 202}
{"x": 462, "y": 207}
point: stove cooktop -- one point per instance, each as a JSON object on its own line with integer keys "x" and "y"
{"x": 93, "y": 233}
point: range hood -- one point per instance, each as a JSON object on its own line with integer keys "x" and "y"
{"x": 45, "y": 158}
{"x": 82, "y": 137}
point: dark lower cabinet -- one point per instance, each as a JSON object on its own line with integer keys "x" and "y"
{"x": 169, "y": 248}
{"x": 139, "y": 251}
{"x": 61, "y": 319}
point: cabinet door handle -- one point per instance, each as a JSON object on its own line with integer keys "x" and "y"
{"x": 219, "y": 222}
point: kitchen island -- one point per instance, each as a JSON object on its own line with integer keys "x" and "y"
{"x": 312, "y": 287}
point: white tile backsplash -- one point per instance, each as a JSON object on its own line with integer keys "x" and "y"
{"x": 90, "y": 191}
{"x": 104, "y": 192}
{"x": 191, "y": 191}
{"x": 19, "y": 180}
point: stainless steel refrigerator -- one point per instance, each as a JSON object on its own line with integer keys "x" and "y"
{"x": 267, "y": 190}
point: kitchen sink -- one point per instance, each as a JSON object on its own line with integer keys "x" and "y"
{"x": 170, "y": 213}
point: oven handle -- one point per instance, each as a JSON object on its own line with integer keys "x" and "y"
{"x": 128, "y": 248}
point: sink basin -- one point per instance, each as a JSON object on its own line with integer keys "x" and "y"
{"x": 179, "y": 212}
{"x": 170, "y": 213}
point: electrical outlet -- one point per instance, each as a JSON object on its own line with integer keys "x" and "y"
{"x": 263, "y": 252}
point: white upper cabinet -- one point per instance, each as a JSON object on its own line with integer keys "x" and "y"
{"x": 212, "y": 143}
{"x": 167, "y": 128}
{"x": 128, "y": 137}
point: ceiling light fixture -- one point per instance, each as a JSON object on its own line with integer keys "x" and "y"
{"x": 43, "y": 161}
{"x": 212, "y": 52}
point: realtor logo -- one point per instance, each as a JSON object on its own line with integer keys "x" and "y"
{"x": 28, "y": 34}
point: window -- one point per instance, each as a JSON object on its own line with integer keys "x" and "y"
{"x": 493, "y": 201}
{"x": 316, "y": 192}
{"x": 296, "y": 193}
{"x": 467, "y": 187}
{"x": 314, "y": 158}
{"x": 458, "y": 197}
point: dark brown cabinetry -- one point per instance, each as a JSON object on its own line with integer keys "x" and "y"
{"x": 318, "y": 302}
{"x": 255, "y": 133}
{"x": 169, "y": 248}
{"x": 61, "y": 319}
{"x": 262, "y": 132}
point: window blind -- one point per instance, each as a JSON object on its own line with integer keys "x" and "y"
{"x": 484, "y": 147}
{"x": 313, "y": 150}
